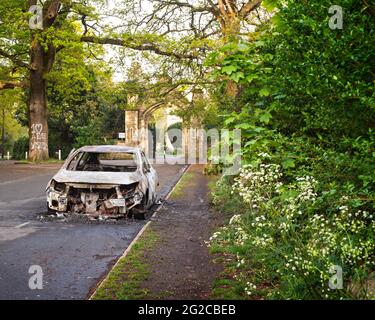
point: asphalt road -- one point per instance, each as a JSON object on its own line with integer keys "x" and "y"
{"x": 73, "y": 257}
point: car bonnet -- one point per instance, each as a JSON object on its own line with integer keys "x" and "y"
{"x": 97, "y": 177}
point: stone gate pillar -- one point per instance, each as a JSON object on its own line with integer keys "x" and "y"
{"x": 143, "y": 132}
{"x": 199, "y": 141}
{"x": 131, "y": 127}
{"x": 193, "y": 141}
{"x": 185, "y": 141}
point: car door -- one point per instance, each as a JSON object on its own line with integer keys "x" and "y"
{"x": 152, "y": 178}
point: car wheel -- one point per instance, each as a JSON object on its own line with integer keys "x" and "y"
{"x": 140, "y": 211}
{"x": 139, "y": 214}
{"x": 50, "y": 211}
{"x": 145, "y": 201}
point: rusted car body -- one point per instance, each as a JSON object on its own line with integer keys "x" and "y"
{"x": 103, "y": 181}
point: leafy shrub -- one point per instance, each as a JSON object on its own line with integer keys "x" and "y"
{"x": 294, "y": 234}
{"x": 20, "y": 147}
{"x": 304, "y": 201}
{"x": 88, "y": 135}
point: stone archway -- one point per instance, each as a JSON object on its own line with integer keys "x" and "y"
{"x": 137, "y": 132}
{"x": 191, "y": 136}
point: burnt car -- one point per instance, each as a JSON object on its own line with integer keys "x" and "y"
{"x": 104, "y": 182}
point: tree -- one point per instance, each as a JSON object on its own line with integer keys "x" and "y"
{"x": 32, "y": 52}
{"x": 10, "y": 129}
{"x": 200, "y": 26}
{"x": 81, "y": 94}
{"x": 178, "y": 30}
{"x": 201, "y": 19}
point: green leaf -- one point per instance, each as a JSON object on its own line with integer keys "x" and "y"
{"x": 259, "y": 129}
{"x": 244, "y": 126}
{"x": 237, "y": 76}
{"x": 250, "y": 143}
{"x": 229, "y": 69}
{"x": 243, "y": 47}
{"x": 288, "y": 163}
{"x": 265, "y": 117}
{"x": 264, "y": 92}
{"x": 251, "y": 77}
{"x": 229, "y": 120}
{"x": 229, "y": 47}
{"x": 269, "y": 4}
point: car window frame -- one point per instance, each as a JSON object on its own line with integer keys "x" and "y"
{"x": 75, "y": 154}
{"x": 145, "y": 164}
{"x": 138, "y": 160}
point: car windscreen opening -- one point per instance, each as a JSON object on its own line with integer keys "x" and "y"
{"x": 104, "y": 162}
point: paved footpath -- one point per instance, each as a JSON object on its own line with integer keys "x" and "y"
{"x": 181, "y": 267}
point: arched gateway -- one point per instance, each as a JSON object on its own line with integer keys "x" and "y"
{"x": 138, "y": 133}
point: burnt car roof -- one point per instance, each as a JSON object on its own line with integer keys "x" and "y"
{"x": 108, "y": 148}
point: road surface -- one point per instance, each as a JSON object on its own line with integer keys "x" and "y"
{"x": 73, "y": 257}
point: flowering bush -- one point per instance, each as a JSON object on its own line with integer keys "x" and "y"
{"x": 292, "y": 239}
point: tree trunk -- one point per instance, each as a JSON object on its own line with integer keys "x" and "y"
{"x": 229, "y": 16}
{"x": 41, "y": 62}
{"x": 2, "y": 150}
{"x": 38, "y": 125}
{"x": 231, "y": 31}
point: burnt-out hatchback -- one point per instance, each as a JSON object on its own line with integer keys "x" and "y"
{"x": 103, "y": 182}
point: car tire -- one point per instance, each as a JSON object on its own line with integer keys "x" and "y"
{"x": 50, "y": 211}
{"x": 139, "y": 215}
{"x": 140, "y": 211}
{"x": 145, "y": 201}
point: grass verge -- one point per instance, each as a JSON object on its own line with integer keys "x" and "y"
{"x": 125, "y": 279}
{"x": 184, "y": 184}
{"x": 50, "y": 161}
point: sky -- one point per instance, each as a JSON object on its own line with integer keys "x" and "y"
{"x": 113, "y": 53}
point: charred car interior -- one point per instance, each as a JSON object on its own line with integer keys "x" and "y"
{"x": 103, "y": 182}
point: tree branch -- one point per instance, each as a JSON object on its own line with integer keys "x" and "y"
{"x": 136, "y": 46}
{"x": 188, "y": 5}
{"x": 11, "y": 85}
{"x": 248, "y": 7}
{"x": 14, "y": 59}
